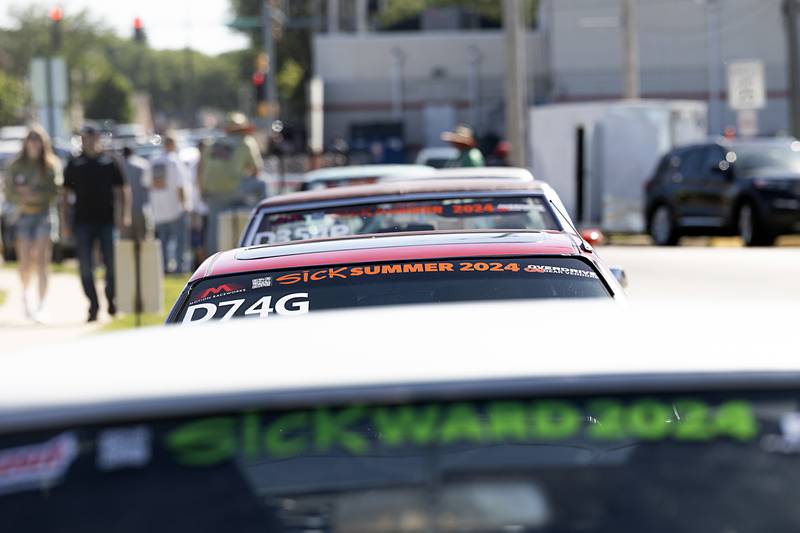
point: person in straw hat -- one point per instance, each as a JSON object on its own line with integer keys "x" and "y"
{"x": 224, "y": 164}
{"x": 463, "y": 140}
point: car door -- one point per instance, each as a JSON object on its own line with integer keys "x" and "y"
{"x": 703, "y": 187}
{"x": 689, "y": 186}
{"x": 716, "y": 195}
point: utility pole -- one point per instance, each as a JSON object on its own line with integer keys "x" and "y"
{"x": 714, "y": 61}
{"x": 267, "y": 20}
{"x": 790, "y": 11}
{"x": 630, "y": 50}
{"x": 361, "y": 17}
{"x": 516, "y": 94}
{"x": 333, "y": 16}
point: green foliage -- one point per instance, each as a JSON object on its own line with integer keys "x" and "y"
{"x": 110, "y": 97}
{"x": 398, "y": 11}
{"x": 290, "y": 76}
{"x": 12, "y": 99}
{"x": 293, "y": 51}
{"x": 92, "y": 50}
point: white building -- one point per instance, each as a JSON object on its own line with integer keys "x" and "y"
{"x": 427, "y": 80}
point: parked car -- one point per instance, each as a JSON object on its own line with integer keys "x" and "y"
{"x": 458, "y": 418}
{"x": 396, "y": 206}
{"x": 437, "y": 156}
{"x": 403, "y": 268}
{"x": 749, "y": 188}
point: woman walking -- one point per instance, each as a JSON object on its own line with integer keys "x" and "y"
{"x": 32, "y": 184}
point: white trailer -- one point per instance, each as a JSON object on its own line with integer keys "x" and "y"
{"x": 598, "y": 155}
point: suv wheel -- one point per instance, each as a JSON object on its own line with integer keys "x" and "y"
{"x": 662, "y": 227}
{"x": 751, "y": 229}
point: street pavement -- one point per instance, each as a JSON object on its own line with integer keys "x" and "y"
{"x": 64, "y": 314}
{"x": 707, "y": 274}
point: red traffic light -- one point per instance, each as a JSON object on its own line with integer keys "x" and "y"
{"x": 137, "y": 23}
{"x": 56, "y": 14}
{"x": 258, "y": 78}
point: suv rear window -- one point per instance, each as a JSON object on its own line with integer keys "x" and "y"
{"x": 698, "y": 462}
{"x": 294, "y": 292}
{"x": 524, "y": 212}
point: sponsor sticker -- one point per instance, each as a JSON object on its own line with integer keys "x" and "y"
{"x": 788, "y": 441}
{"x": 123, "y": 448}
{"x": 37, "y": 465}
{"x": 549, "y": 269}
{"x": 513, "y": 208}
{"x": 260, "y": 283}
{"x": 226, "y": 289}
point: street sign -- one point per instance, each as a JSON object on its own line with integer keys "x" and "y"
{"x": 747, "y": 123}
{"x": 245, "y": 23}
{"x": 746, "y": 85}
{"x": 57, "y": 77}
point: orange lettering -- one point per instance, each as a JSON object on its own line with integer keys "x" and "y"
{"x": 289, "y": 279}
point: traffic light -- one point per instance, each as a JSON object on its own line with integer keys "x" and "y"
{"x": 260, "y": 87}
{"x": 138, "y": 30}
{"x": 260, "y": 84}
{"x": 56, "y": 14}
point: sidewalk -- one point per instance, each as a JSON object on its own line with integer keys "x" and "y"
{"x": 65, "y": 313}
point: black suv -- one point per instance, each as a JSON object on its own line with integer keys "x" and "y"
{"x": 749, "y": 188}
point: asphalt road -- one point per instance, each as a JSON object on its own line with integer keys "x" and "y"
{"x": 706, "y": 274}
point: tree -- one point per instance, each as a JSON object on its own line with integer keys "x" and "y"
{"x": 178, "y": 81}
{"x": 13, "y": 97}
{"x": 292, "y": 66}
{"x": 110, "y": 98}
{"x": 487, "y": 13}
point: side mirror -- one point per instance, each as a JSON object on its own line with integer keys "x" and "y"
{"x": 620, "y": 275}
{"x": 593, "y": 236}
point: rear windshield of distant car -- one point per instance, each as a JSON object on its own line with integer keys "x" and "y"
{"x": 694, "y": 462}
{"x": 767, "y": 158}
{"x": 509, "y": 213}
{"x": 296, "y": 292}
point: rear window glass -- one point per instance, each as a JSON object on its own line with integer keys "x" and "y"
{"x": 691, "y": 462}
{"x": 529, "y": 212}
{"x": 295, "y": 292}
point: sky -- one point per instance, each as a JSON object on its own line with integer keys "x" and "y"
{"x": 168, "y": 23}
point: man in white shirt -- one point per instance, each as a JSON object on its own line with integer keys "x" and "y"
{"x": 168, "y": 203}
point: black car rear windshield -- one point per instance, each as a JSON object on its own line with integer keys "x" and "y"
{"x": 753, "y": 159}
{"x": 518, "y": 212}
{"x": 695, "y": 462}
{"x": 294, "y": 292}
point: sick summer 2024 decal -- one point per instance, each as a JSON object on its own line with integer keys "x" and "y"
{"x": 209, "y": 301}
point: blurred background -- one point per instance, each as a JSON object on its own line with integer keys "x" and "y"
{"x": 588, "y": 94}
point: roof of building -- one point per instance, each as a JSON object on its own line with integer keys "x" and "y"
{"x": 388, "y": 247}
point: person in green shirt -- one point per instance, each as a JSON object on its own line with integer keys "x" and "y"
{"x": 464, "y": 141}
{"x": 224, "y": 164}
{"x": 32, "y": 185}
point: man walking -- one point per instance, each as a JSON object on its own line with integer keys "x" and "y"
{"x": 169, "y": 202}
{"x": 223, "y": 166}
{"x": 101, "y": 200}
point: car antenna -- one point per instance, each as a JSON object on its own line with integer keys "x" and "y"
{"x": 585, "y": 246}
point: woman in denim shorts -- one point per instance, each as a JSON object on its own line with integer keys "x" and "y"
{"x": 32, "y": 185}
